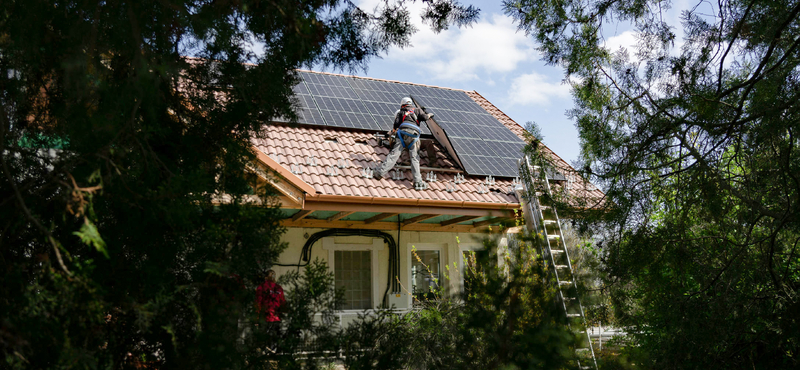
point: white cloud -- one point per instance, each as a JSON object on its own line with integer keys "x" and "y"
{"x": 491, "y": 45}
{"x": 534, "y": 89}
{"x": 625, "y": 40}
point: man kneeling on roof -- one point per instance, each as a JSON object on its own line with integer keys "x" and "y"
{"x": 406, "y": 127}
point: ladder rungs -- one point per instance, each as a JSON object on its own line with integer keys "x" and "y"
{"x": 556, "y": 251}
{"x": 553, "y": 236}
{"x": 564, "y": 282}
{"x": 549, "y": 222}
{"x": 562, "y": 266}
{"x": 573, "y": 315}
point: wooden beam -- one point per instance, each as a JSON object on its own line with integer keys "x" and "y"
{"x": 457, "y": 220}
{"x": 387, "y": 226}
{"x": 340, "y": 216}
{"x": 283, "y": 172}
{"x": 302, "y": 214}
{"x": 416, "y": 219}
{"x": 379, "y": 217}
{"x": 489, "y": 221}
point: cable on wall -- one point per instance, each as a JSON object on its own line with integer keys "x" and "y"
{"x": 394, "y": 253}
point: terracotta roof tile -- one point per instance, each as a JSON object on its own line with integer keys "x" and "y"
{"x": 373, "y": 191}
{"x": 297, "y": 144}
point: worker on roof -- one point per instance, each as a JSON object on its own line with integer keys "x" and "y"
{"x": 406, "y": 127}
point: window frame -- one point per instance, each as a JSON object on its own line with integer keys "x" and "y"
{"x": 442, "y": 248}
{"x": 330, "y": 245}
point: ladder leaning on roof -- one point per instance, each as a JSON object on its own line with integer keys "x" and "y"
{"x": 544, "y": 219}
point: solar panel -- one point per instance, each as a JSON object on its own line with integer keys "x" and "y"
{"x": 484, "y": 145}
{"x": 506, "y": 149}
{"x": 341, "y": 105}
{"x": 351, "y": 120}
{"x": 323, "y": 79}
{"x": 456, "y": 95}
{"x": 300, "y": 89}
{"x": 455, "y": 130}
{"x": 378, "y": 96}
{"x": 306, "y": 101}
{"x": 494, "y": 133}
{"x": 447, "y": 115}
{"x": 381, "y": 109}
{"x": 503, "y": 135}
{"x": 332, "y": 91}
{"x": 306, "y": 116}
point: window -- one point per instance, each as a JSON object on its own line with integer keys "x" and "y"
{"x": 354, "y": 265}
{"x": 353, "y": 272}
{"x": 425, "y": 276}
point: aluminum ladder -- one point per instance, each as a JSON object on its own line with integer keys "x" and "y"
{"x": 543, "y": 220}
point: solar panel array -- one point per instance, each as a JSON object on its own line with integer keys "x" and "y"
{"x": 483, "y": 144}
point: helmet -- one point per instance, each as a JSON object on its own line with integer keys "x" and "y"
{"x": 406, "y": 101}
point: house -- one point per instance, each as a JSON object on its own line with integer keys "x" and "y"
{"x": 366, "y": 229}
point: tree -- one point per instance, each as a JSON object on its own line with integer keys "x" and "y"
{"x": 508, "y": 316}
{"x": 695, "y": 141}
{"x": 129, "y": 229}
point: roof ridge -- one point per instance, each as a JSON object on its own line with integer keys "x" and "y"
{"x": 383, "y": 80}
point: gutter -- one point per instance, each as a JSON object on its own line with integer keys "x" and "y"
{"x": 409, "y": 202}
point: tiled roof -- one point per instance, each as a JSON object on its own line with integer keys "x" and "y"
{"x": 314, "y": 151}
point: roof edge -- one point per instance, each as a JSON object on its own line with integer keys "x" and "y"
{"x": 411, "y": 202}
{"x": 283, "y": 172}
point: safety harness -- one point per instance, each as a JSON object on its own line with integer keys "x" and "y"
{"x": 401, "y": 133}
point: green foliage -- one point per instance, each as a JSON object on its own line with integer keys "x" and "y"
{"x": 377, "y": 341}
{"x": 696, "y": 148}
{"x": 130, "y": 232}
{"x": 507, "y": 318}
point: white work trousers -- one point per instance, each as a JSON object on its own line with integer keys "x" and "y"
{"x": 394, "y": 155}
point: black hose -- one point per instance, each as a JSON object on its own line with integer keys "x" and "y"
{"x": 394, "y": 264}
{"x": 395, "y": 283}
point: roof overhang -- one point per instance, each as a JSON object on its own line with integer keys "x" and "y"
{"x": 299, "y": 195}
{"x": 293, "y": 190}
{"x": 322, "y": 202}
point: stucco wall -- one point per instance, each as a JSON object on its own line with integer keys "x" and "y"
{"x": 450, "y": 246}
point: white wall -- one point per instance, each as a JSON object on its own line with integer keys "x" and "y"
{"x": 450, "y": 245}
